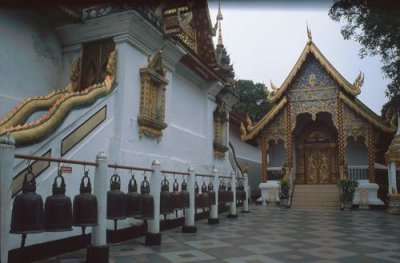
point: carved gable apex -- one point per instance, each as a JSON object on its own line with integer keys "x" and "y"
{"x": 311, "y": 49}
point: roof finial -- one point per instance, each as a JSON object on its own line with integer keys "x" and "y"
{"x": 309, "y": 34}
{"x": 219, "y": 18}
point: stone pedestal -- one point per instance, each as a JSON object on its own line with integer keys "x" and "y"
{"x": 366, "y": 194}
{"x": 269, "y": 192}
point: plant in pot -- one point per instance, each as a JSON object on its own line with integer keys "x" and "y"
{"x": 284, "y": 193}
{"x": 347, "y": 189}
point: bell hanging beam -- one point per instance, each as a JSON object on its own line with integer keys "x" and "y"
{"x": 189, "y": 226}
{"x": 213, "y": 219}
{"x": 99, "y": 251}
{"x": 153, "y": 235}
{"x": 7, "y": 151}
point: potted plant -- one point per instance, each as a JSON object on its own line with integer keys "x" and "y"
{"x": 347, "y": 189}
{"x": 284, "y": 193}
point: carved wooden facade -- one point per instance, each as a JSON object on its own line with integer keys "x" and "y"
{"x": 316, "y": 113}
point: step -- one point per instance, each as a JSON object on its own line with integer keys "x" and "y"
{"x": 316, "y": 196}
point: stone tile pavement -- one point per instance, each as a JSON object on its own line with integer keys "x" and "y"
{"x": 273, "y": 235}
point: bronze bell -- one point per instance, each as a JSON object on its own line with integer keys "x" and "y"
{"x": 205, "y": 196}
{"x": 176, "y": 196}
{"x": 240, "y": 193}
{"x": 116, "y": 201}
{"x": 133, "y": 200}
{"x": 27, "y": 212}
{"x": 85, "y": 205}
{"x": 58, "y": 208}
{"x": 229, "y": 194}
{"x": 222, "y": 192}
{"x": 198, "y": 199}
{"x": 147, "y": 200}
{"x": 184, "y": 195}
{"x": 211, "y": 193}
{"x": 166, "y": 201}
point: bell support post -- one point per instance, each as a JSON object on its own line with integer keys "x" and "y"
{"x": 153, "y": 235}
{"x": 189, "y": 226}
{"x": 246, "y": 191}
{"x": 232, "y": 206}
{"x": 7, "y": 150}
{"x": 214, "y": 207}
{"x": 99, "y": 251}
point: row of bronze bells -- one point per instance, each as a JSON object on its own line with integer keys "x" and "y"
{"x": 240, "y": 193}
{"x": 207, "y": 196}
{"x": 173, "y": 201}
{"x": 225, "y": 195}
{"x": 28, "y": 215}
{"x": 131, "y": 204}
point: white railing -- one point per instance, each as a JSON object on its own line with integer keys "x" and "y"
{"x": 357, "y": 172}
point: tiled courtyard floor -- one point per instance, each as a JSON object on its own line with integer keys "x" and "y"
{"x": 270, "y": 234}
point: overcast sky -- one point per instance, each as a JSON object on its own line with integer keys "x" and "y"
{"x": 265, "y": 39}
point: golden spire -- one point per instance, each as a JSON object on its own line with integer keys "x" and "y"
{"x": 219, "y": 18}
{"x": 309, "y": 34}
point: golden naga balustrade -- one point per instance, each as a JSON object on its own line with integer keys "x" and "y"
{"x": 59, "y": 104}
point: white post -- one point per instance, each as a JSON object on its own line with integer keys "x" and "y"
{"x": 392, "y": 184}
{"x": 232, "y": 206}
{"x": 246, "y": 191}
{"x": 153, "y": 237}
{"x": 214, "y": 208}
{"x": 189, "y": 226}
{"x": 99, "y": 251}
{"x": 7, "y": 151}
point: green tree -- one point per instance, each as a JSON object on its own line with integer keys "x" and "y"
{"x": 375, "y": 24}
{"x": 253, "y": 99}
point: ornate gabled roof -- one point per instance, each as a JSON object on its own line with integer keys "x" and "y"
{"x": 310, "y": 48}
{"x": 362, "y": 110}
{"x": 251, "y": 131}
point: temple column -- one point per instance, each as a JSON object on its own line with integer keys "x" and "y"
{"x": 341, "y": 140}
{"x": 371, "y": 155}
{"x": 264, "y": 146}
{"x": 289, "y": 137}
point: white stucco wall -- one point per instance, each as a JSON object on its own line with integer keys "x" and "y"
{"x": 30, "y": 57}
{"x": 247, "y": 156}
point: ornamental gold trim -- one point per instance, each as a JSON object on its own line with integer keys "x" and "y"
{"x": 39, "y": 129}
{"x": 248, "y": 135}
{"x": 370, "y": 116}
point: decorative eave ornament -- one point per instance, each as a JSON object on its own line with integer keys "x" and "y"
{"x": 152, "y": 97}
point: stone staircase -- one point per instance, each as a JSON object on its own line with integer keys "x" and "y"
{"x": 316, "y": 196}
